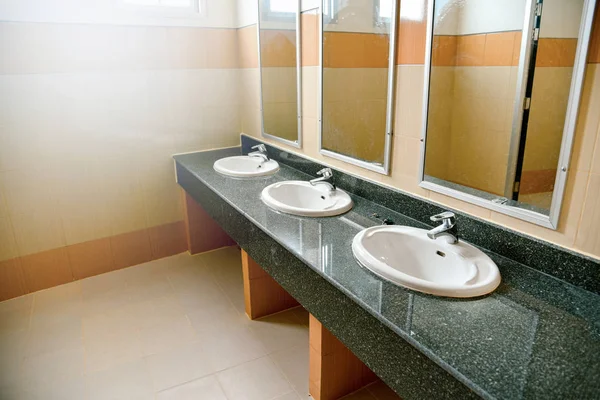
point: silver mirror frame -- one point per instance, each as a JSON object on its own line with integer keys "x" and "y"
{"x": 297, "y": 143}
{"x": 384, "y": 168}
{"x": 579, "y": 69}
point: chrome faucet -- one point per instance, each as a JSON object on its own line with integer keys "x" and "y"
{"x": 447, "y": 228}
{"x": 326, "y": 175}
{"x": 261, "y": 152}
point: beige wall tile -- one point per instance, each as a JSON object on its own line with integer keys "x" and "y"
{"x": 84, "y": 217}
{"x": 409, "y": 101}
{"x": 249, "y": 82}
{"x": 37, "y": 231}
{"x": 406, "y": 160}
{"x": 247, "y": 47}
{"x": 8, "y": 244}
{"x": 588, "y": 237}
{"x": 570, "y": 214}
{"x": 127, "y": 211}
{"x": 27, "y": 191}
{"x": 163, "y": 207}
{"x": 588, "y": 121}
{"x": 310, "y": 92}
{"x": 251, "y": 120}
{"x": 52, "y": 48}
{"x": 596, "y": 160}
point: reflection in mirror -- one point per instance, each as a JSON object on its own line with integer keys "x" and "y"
{"x": 279, "y": 44}
{"x": 503, "y": 91}
{"x": 357, "y": 59}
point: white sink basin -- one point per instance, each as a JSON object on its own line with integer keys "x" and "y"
{"x": 407, "y": 257}
{"x": 245, "y": 167}
{"x": 303, "y": 199}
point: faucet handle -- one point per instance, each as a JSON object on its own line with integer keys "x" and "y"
{"x": 260, "y": 147}
{"x": 447, "y": 217}
{"x": 325, "y": 172}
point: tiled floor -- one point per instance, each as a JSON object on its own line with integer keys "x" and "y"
{"x": 169, "y": 329}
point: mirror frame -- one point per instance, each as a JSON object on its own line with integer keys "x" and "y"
{"x": 298, "y": 142}
{"x": 579, "y": 69}
{"x": 384, "y": 168}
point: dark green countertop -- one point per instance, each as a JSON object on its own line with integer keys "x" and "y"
{"x": 534, "y": 337}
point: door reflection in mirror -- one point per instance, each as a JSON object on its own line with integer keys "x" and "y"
{"x": 500, "y": 85}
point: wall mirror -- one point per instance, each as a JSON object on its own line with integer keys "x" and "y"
{"x": 280, "y": 72}
{"x": 357, "y": 58}
{"x": 502, "y": 91}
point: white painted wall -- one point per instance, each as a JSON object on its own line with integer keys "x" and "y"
{"x": 247, "y": 12}
{"x": 560, "y": 18}
{"x": 219, "y": 13}
{"x": 479, "y": 16}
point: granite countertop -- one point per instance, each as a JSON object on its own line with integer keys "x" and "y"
{"x": 535, "y": 336}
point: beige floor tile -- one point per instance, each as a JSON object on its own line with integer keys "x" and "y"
{"x": 15, "y": 314}
{"x": 226, "y": 267}
{"x": 294, "y": 365}
{"x": 202, "y": 389}
{"x": 203, "y": 297}
{"x": 259, "y": 379}
{"x": 65, "y": 334}
{"x": 105, "y": 302}
{"x": 98, "y": 327}
{"x": 176, "y": 367}
{"x": 147, "y": 281}
{"x": 170, "y": 334}
{"x": 154, "y": 311}
{"x": 214, "y": 320}
{"x": 189, "y": 277}
{"x": 12, "y": 353}
{"x": 291, "y": 396}
{"x": 280, "y": 331}
{"x": 228, "y": 348}
{"x": 104, "y": 352}
{"x": 61, "y": 303}
{"x": 166, "y": 324}
{"x": 100, "y": 285}
{"x": 127, "y": 381}
{"x": 70, "y": 388}
{"x": 43, "y": 369}
{"x": 11, "y": 391}
{"x": 22, "y": 304}
{"x": 104, "y": 293}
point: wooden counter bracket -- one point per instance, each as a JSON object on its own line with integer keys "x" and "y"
{"x": 262, "y": 294}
